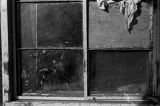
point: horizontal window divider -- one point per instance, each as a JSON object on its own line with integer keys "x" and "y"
{"x": 52, "y": 48}
{"x": 124, "y": 98}
{"x": 46, "y": 1}
{"x": 140, "y": 49}
{"x": 49, "y": 98}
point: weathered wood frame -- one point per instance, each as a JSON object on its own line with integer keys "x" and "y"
{"x": 5, "y": 51}
{"x": 6, "y": 56}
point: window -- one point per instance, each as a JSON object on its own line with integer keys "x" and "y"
{"x": 51, "y": 51}
{"x": 71, "y": 48}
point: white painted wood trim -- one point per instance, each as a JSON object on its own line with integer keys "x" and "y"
{"x": 5, "y": 51}
{"x": 91, "y": 98}
{"x": 49, "y": 98}
{"x": 85, "y": 40}
{"x": 49, "y": 1}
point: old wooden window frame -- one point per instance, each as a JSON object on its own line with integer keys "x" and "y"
{"x": 8, "y": 34}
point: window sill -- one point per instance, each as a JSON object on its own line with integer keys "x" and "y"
{"x": 124, "y": 98}
{"x": 110, "y": 97}
{"x": 74, "y": 103}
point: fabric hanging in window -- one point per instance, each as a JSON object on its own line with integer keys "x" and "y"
{"x": 127, "y": 8}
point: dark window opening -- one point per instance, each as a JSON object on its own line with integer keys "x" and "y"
{"x": 119, "y": 72}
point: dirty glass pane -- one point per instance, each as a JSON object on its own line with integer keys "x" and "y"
{"x": 28, "y": 66}
{"x": 26, "y": 23}
{"x": 55, "y": 72}
{"x": 109, "y": 29}
{"x": 59, "y": 24}
{"x": 118, "y": 72}
{"x": 60, "y": 71}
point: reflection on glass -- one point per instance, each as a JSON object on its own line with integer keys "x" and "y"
{"x": 118, "y": 72}
{"x": 56, "y": 72}
{"x": 59, "y": 25}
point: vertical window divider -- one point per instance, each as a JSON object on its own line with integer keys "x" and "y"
{"x": 36, "y": 51}
{"x": 156, "y": 23}
{"x": 85, "y": 47}
{"x": 155, "y": 49}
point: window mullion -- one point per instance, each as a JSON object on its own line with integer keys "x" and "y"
{"x": 85, "y": 46}
{"x": 154, "y": 57}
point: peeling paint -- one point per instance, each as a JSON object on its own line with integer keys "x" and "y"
{"x": 5, "y": 65}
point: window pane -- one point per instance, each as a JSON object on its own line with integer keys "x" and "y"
{"x": 26, "y": 25}
{"x": 118, "y": 72}
{"x": 57, "y": 72}
{"x": 59, "y": 24}
{"x": 108, "y": 29}
{"x": 28, "y": 67}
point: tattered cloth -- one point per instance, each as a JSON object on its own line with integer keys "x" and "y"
{"x": 127, "y": 8}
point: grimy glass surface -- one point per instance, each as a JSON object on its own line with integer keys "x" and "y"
{"x": 59, "y": 25}
{"x": 109, "y": 29}
{"x": 58, "y": 72}
{"x": 28, "y": 67}
{"x": 50, "y": 24}
{"x": 118, "y": 72}
{"x": 26, "y": 25}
